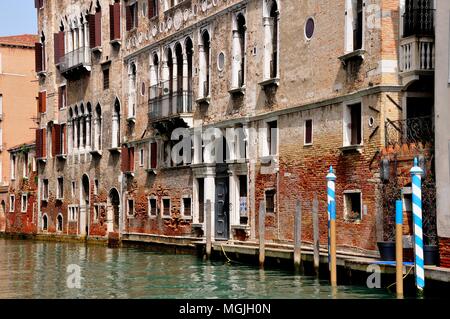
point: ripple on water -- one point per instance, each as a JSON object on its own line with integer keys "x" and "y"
{"x": 39, "y": 270}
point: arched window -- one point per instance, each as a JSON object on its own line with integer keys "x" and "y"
{"x": 178, "y": 85}
{"x": 44, "y": 223}
{"x": 88, "y": 117}
{"x": 115, "y": 141}
{"x": 132, "y": 83}
{"x": 98, "y": 128}
{"x": 59, "y": 223}
{"x": 205, "y": 54}
{"x": 239, "y": 35}
{"x": 189, "y": 57}
{"x": 271, "y": 54}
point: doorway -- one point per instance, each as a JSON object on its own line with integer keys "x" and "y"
{"x": 222, "y": 209}
{"x": 113, "y": 211}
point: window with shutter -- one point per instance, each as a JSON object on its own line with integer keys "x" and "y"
{"x": 59, "y": 46}
{"x": 116, "y": 21}
{"x": 42, "y": 102}
{"x": 44, "y": 143}
{"x": 38, "y": 56}
{"x": 91, "y": 21}
{"x": 38, "y": 144}
{"x": 152, "y": 8}
{"x": 98, "y": 29}
{"x": 125, "y": 159}
{"x": 62, "y": 97}
{"x": 154, "y": 156}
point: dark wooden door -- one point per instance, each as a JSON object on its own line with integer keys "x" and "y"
{"x": 222, "y": 209}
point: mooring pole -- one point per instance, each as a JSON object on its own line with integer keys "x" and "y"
{"x": 399, "y": 247}
{"x": 333, "y": 243}
{"x": 208, "y": 229}
{"x": 416, "y": 174}
{"x": 298, "y": 236}
{"x": 331, "y": 194}
{"x": 262, "y": 237}
{"x": 316, "y": 239}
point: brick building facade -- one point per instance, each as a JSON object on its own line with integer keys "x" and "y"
{"x": 283, "y": 89}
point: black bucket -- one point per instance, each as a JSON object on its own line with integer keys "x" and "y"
{"x": 387, "y": 250}
{"x": 431, "y": 255}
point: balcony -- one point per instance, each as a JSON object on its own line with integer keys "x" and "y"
{"x": 418, "y": 130}
{"x": 168, "y": 106}
{"x": 417, "y": 47}
{"x": 75, "y": 63}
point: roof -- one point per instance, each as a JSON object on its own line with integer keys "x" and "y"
{"x": 23, "y": 40}
{"x": 28, "y": 145}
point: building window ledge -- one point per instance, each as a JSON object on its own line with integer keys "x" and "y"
{"x": 115, "y": 150}
{"x": 197, "y": 225}
{"x": 62, "y": 157}
{"x": 151, "y": 171}
{"x": 237, "y": 91}
{"x": 131, "y": 119}
{"x": 42, "y": 74}
{"x": 42, "y": 159}
{"x": 204, "y": 100}
{"x": 96, "y": 153}
{"x": 129, "y": 174}
{"x": 269, "y": 83}
{"x": 355, "y": 55}
{"x": 116, "y": 42}
{"x": 97, "y": 49}
{"x": 167, "y": 217}
{"x": 351, "y": 149}
{"x": 269, "y": 159}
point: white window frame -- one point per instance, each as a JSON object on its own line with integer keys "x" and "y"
{"x": 25, "y": 165}
{"x": 141, "y": 156}
{"x": 182, "y": 207}
{"x": 128, "y": 207}
{"x": 24, "y": 203}
{"x": 59, "y": 231}
{"x": 72, "y": 211}
{"x": 312, "y": 132}
{"x": 152, "y": 214}
{"x": 349, "y": 20}
{"x": 13, "y": 166}
{"x": 162, "y": 208}
{"x": 346, "y": 118}
{"x": 12, "y": 203}
{"x": 45, "y": 194}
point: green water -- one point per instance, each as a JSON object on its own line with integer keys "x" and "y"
{"x": 39, "y": 270}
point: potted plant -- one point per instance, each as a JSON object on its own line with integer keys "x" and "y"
{"x": 391, "y": 193}
{"x": 430, "y": 239}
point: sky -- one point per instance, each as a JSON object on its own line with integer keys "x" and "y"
{"x": 17, "y": 17}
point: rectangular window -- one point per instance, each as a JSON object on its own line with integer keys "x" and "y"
{"x": 308, "y": 132}
{"x": 243, "y": 201}
{"x": 166, "y": 209}
{"x": 141, "y": 157}
{"x": 353, "y": 125}
{"x": 25, "y": 165}
{"x": 352, "y": 202}
{"x": 45, "y": 189}
{"x": 187, "y": 203}
{"x": 153, "y": 155}
{"x": 114, "y": 21}
{"x": 42, "y": 102}
{"x": 201, "y": 199}
{"x": 153, "y": 8}
{"x": 74, "y": 186}
{"x": 132, "y": 16}
{"x": 354, "y": 35}
{"x": 24, "y": 203}
{"x": 62, "y": 97}
{"x": 96, "y": 185}
{"x": 13, "y": 167}
{"x": 272, "y": 138}
{"x": 130, "y": 207}
{"x": 152, "y": 207}
{"x": 60, "y": 189}
{"x": 270, "y": 201}
{"x": 73, "y": 213}
{"x": 12, "y": 203}
{"x": 96, "y": 213}
{"x": 105, "y": 78}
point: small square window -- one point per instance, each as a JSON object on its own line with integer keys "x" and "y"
{"x": 152, "y": 207}
{"x": 352, "y": 202}
{"x": 105, "y": 78}
{"x": 24, "y": 203}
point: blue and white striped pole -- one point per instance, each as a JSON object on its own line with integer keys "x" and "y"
{"x": 331, "y": 192}
{"x": 416, "y": 174}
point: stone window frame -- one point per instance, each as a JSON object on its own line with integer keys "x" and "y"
{"x": 45, "y": 230}
{"x": 130, "y": 199}
{"x": 98, "y": 207}
{"x": 345, "y": 117}
{"x": 162, "y": 207}
{"x": 12, "y": 203}
{"x": 59, "y": 231}
{"x": 24, "y": 203}
{"x": 312, "y": 131}
{"x": 150, "y": 212}
{"x": 346, "y": 193}
{"x": 275, "y": 199}
{"x": 58, "y": 190}
{"x": 141, "y": 156}
{"x": 186, "y": 217}
{"x": 348, "y": 27}
{"x": 45, "y": 189}
{"x": 73, "y": 209}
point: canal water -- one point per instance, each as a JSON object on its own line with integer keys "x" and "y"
{"x": 50, "y": 270}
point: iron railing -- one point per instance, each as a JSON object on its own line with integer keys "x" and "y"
{"x": 412, "y": 130}
{"x": 418, "y": 21}
{"x": 163, "y": 102}
{"x": 81, "y": 56}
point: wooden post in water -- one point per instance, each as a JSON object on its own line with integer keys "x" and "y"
{"x": 298, "y": 236}
{"x": 262, "y": 228}
{"x": 399, "y": 247}
{"x": 333, "y": 243}
{"x": 208, "y": 229}
{"x": 316, "y": 239}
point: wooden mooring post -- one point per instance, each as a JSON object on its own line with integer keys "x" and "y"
{"x": 316, "y": 238}
{"x": 262, "y": 237}
{"x": 208, "y": 230}
{"x": 298, "y": 236}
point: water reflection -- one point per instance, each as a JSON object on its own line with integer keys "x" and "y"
{"x": 39, "y": 270}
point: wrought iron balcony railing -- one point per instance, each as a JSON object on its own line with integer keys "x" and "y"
{"x": 418, "y": 21}
{"x": 409, "y": 131}
{"x": 78, "y": 57}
